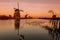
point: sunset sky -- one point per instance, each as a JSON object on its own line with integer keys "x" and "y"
{"x": 35, "y": 8}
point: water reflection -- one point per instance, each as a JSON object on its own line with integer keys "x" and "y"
{"x": 54, "y": 22}
{"x": 34, "y": 31}
{"x": 54, "y": 31}
{"x": 53, "y": 34}
{"x": 17, "y": 27}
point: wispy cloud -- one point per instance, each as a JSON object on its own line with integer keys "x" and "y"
{"x": 34, "y": 1}
{"x": 7, "y": 0}
{"x": 42, "y": 1}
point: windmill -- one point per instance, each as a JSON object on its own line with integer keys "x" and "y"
{"x": 17, "y": 11}
{"x": 17, "y": 20}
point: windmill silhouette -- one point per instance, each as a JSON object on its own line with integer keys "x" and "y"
{"x": 17, "y": 11}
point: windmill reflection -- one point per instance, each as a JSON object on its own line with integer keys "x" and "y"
{"x": 17, "y": 27}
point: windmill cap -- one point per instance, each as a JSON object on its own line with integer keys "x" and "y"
{"x": 16, "y": 9}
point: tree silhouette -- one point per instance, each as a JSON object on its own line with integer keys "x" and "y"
{"x": 51, "y": 11}
{"x": 26, "y": 15}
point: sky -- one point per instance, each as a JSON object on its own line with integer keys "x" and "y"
{"x": 35, "y": 8}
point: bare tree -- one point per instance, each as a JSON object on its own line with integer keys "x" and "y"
{"x": 51, "y": 11}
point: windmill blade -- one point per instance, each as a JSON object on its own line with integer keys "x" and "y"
{"x": 14, "y": 8}
{"x": 18, "y": 4}
{"x": 22, "y": 10}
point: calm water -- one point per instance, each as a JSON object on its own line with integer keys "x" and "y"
{"x": 26, "y": 29}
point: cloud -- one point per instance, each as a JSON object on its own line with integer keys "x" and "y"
{"x": 7, "y": 0}
{"x": 42, "y": 1}
{"x": 34, "y": 1}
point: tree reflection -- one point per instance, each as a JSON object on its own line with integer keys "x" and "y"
{"x": 53, "y": 34}
{"x": 17, "y": 27}
{"x": 54, "y": 31}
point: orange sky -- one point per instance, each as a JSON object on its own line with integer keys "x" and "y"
{"x": 37, "y": 8}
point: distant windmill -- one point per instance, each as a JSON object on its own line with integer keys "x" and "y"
{"x": 17, "y": 11}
